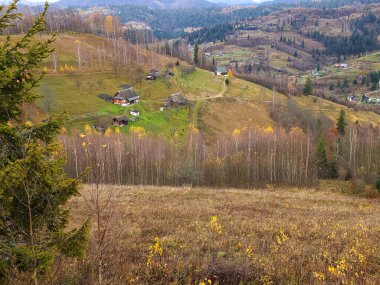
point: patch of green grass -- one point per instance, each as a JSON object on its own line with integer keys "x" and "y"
{"x": 200, "y": 81}
{"x": 168, "y": 122}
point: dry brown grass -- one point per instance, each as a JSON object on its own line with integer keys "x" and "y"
{"x": 271, "y": 236}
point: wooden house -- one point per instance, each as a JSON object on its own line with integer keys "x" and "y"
{"x": 106, "y": 97}
{"x": 126, "y": 97}
{"x": 176, "y": 100}
{"x": 120, "y": 121}
{"x": 153, "y": 74}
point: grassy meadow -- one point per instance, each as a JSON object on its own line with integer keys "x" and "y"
{"x": 227, "y": 236}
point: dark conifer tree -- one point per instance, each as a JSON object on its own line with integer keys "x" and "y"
{"x": 33, "y": 185}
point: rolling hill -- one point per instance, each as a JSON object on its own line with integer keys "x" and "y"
{"x": 241, "y": 103}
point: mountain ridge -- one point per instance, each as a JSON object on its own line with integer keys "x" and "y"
{"x": 158, "y": 4}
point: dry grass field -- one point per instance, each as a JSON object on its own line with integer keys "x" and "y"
{"x": 226, "y": 236}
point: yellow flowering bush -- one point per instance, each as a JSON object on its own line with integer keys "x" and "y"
{"x": 215, "y": 226}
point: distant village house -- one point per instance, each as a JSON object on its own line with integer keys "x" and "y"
{"x": 120, "y": 121}
{"x": 221, "y": 71}
{"x": 106, "y": 97}
{"x": 126, "y": 97}
{"x": 153, "y": 74}
{"x": 176, "y": 100}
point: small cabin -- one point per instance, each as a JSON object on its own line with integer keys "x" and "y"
{"x": 364, "y": 99}
{"x": 120, "y": 121}
{"x": 176, "y": 100}
{"x": 134, "y": 112}
{"x": 106, "y": 97}
{"x": 126, "y": 97}
{"x": 221, "y": 71}
{"x": 153, "y": 74}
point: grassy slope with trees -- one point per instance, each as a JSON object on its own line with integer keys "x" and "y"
{"x": 76, "y": 92}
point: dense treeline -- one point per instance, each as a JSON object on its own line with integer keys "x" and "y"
{"x": 363, "y": 39}
{"x": 169, "y": 23}
{"x": 215, "y": 33}
{"x": 248, "y": 158}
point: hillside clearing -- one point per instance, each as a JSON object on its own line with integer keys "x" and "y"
{"x": 232, "y": 236}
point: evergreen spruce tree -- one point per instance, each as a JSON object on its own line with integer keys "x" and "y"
{"x": 321, "y": 156}
{"x": 196, "y": 51}
{"x": 308, "y": 90}
{"x": 33, "y": 185}
{"x": 341, "y": 123}
{"x": 377, "y": 185}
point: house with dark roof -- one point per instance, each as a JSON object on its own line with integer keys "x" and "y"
{"x": 176, "y": 100}
{"x": 126, "y": 97}
{"x": 120, "y": 121}
{"x": 222, "y": 70}
{"x": 153, "y": 74}
{"x": 106, "y": 97}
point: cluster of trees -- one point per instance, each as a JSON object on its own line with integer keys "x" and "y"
{"x": 248, "y": 158}
{"x": 67, "y": 20}
{"x": 169, "y": 23}
{"x": 363, "y": 39}
{"x": 213, "y": 34}
{"x": 287, "y": 41}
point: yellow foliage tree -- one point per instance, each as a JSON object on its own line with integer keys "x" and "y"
{"x": 108, "y": 24}
{"x": 236, "y": 132}
{"x": 269, "y": 130}
{"x": 88, "y": 129}
{"x": 230, "y": 73}
{"x": 140, "y": 131}
{"x": 108, "y": 132}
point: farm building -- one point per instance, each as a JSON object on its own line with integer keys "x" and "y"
{"x": 364, "y": 99}
{"x": 134, "y": 112}
{"x": 106, "y": 97}
{"x": 176, "y": 100}
{"x": 221, "y": 71}
{"x": 126, "y": 97}
{"x": 120, "y": 121}
{"x": 153, "y": 74}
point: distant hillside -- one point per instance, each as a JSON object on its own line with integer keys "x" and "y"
{"x": 160, "y": 4}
